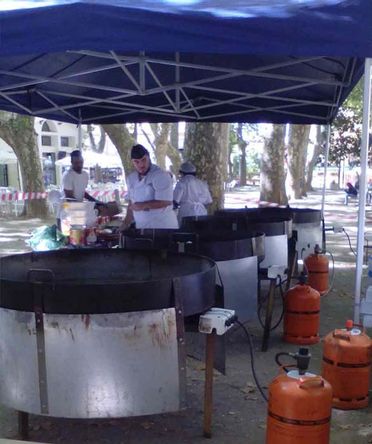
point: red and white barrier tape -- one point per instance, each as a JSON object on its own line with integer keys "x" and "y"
{"x": 9, "y": 197}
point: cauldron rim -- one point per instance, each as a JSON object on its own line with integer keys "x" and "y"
{"x": 90, "y": 250}
{"x": 98, "y": 296}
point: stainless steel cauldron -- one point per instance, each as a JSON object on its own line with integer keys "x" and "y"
{"x": 277, "y": 230}
{"x": 98, "y": 333}
{"x": 306, "y": 222}
{"x": 235, "y": 252}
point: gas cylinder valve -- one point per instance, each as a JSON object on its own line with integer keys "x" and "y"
{"x": 302, "y": 358}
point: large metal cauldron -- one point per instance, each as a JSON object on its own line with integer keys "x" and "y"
{"x": 307, "y": 224}
{"x": 277, "y": 230}
{"x": 235, "y": 252}
{"x": 98, "y": 333}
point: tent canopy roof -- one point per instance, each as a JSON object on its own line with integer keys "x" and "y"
{"x": 110, "y": 61}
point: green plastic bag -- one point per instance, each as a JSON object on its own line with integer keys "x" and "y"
{"x": 46, "y": 238}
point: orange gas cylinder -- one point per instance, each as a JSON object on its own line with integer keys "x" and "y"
{"x": 317, "y": 266}
{"x": 301, "y": 315}
{"x": 347, "y": 366}
{"x": 299, "y": 409}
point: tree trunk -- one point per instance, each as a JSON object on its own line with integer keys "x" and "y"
{"x": 206, "y": 145}
{"x": 161, "y": 133}
{"x": 243, "y": 157}
{"x": 272, "y": 178}
{"x": 100, "y": 146}
{"x": 171, "y": 151}
{"x": 123, "y": 141}
{"x": 297, "y": 151}
{"x": 98, "y": 178}
{"x": 18, "y": 132}
{"x": 230, "y": 164}
{"x": 175, "y": 158}
{"x": 174, "y": 135}
{"x": 320, "y": 139}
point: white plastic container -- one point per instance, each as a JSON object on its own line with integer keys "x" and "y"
{"x": 79, "y": 213}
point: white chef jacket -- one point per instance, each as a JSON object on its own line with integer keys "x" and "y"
{"x": 156, "y": 185}
{"x": 191, "y": 194}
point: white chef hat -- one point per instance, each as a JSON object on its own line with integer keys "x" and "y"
{"x": 187, "y": 168}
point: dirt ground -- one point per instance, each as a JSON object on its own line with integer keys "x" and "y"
{"x": 239, "y": 411}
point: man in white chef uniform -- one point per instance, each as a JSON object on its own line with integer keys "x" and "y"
{"x": 191, "y": 194}
{"x": 150, "y": 192}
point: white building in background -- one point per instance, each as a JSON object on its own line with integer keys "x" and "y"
{"x": 9, "y": 176}
{"x": 56, "y": 140}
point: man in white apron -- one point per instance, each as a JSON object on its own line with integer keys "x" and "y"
{"x": 191, "y": 194}
{"x": 150, "y": 194}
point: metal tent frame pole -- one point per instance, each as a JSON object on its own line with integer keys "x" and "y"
{"x": 328, "y": 129}
{"x": 80, "y": 133}
{"x": 177, "y": 97}
{"x": 362, "y": 187}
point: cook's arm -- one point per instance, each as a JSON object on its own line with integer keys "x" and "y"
{"x": 128, "y": 217}
{"x": 150, "y": 205}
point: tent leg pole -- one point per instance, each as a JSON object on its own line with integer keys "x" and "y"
{"x": 362, "y": 187}
{"x": 80, "y": 133}
{"x": 326, "y": 155}
{"x": 328, "y": 135}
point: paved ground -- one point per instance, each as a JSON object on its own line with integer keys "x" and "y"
{"x": 240, "y": 413}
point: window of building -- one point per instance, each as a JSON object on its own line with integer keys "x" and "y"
{"x": 4, "y": 182}
{"x": 46, "y": 128}
{"x": 46, "y": 140}
{"x": 65, "y": 141}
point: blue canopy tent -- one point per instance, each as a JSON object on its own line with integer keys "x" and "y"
{"x": 108, "y": 61}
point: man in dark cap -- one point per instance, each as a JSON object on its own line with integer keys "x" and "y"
{"x": 150, "y": 192}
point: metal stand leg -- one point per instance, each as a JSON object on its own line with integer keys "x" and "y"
{"x": 269, "y": 315}
{"x": 291, "y": 269}
{"x": 23, "y": 425}
{"x": 208, "y": 388}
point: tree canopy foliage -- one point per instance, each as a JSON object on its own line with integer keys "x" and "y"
{"x": 346, "y": 130}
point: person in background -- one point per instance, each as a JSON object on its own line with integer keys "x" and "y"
{"x": 74, "y": 184}
{"x": 75, "y": 179}
{"x": 351, "y": 191}
{"x": 191, "y": 194}
{"x": 150, "y": 192}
